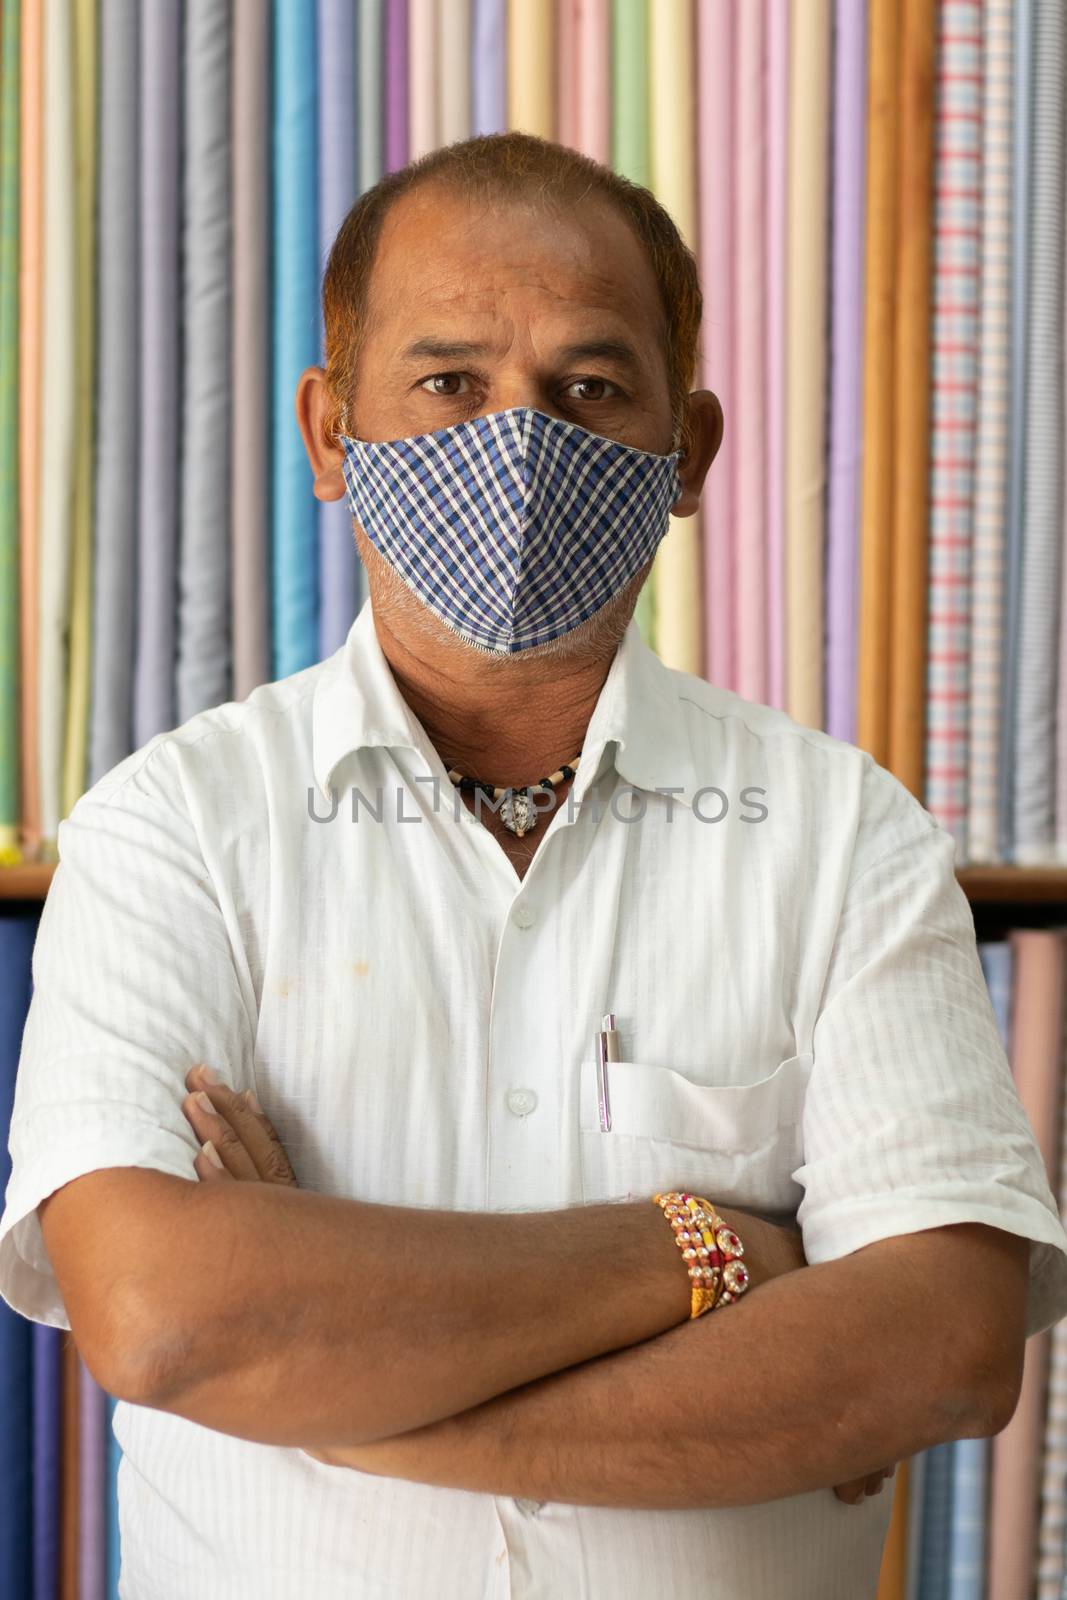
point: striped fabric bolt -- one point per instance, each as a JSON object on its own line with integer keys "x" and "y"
{"x": 1033, "y": 768}
{"x": 992, "y": 443}
{"x": 512, "y": 527}
{"x": 953, "y": 395}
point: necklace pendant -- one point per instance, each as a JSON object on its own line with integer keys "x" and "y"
{"x": 517, "y": 813}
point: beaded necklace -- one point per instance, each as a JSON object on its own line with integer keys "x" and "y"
{"x": 517, "y": 813}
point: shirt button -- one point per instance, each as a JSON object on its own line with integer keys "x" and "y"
{"x": 529, "y": 1508}
{"x": 523, "y": 916}
{"x": 521, "y": 1101}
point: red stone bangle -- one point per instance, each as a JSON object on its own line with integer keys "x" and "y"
{"x": 712, "y": 1251}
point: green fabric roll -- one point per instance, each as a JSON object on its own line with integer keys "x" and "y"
{"x": 9, "y": 415}
{"x": 629, "y": 156}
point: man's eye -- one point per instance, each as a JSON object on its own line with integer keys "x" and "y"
{"x": 583, "y": 383}
{"x": 444, "y": 377}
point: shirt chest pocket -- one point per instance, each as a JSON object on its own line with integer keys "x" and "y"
{"x": 736, "y": 1144}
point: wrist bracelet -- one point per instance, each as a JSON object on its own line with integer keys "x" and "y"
{"x": 711, "y": 1251}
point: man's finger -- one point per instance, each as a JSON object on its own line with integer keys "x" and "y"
{"x": 209, "y": 1166}
{"x": 245, "y": 1138}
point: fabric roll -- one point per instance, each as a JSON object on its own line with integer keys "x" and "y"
{"x": 911, "y": 487}
{"x": 1021, "y": 137}
{"x": 489, "y": 66}
{"x": 567, "y": 78}
{"x": 630, "y": 157}
{"x": 114, "y": 1541}
{"x": 968, "y": 1521}
{"x": 396, "y": 84}
{"x": 338, "y": 557}
{"x": 10, "y": 805}
{"x": 991, "y": 440}
{"x": 805, "y": 430}
{"x": 936, "y": 1535}
{"x": 18, "y": 929}
{"x": 716, "y": 71}
{"x": 1039, "y": 958}
{"x": 845, "y": 448}
{"x": 1040, "y": 576}
{"x": 70, "y": 1472}
{"x": 295, "y": 312}
{"x": 47, "y": 1457}
{"x": 31, "y": 176}
{"x": 423, "y": 49}
{"x": 1052, "y": 1524}
{"x": 453, "y": 70}
{"x": 673, "y": 139}
{"x": 117, "y": 390}
{"x": 159, "y": 354}
{"x": 953, "y": 401}
{"x": 203, "y": 675}
{"x": 748, "y": 530}
{"x": 79, "y": 644}
{"x": 593, "y": 101}
{"x": 251, "y": 335}
{"x": 879, "y": 321}
{"x": 777, "y": 137}
{"x": 531, "y": 104}
{"x": 370, "y": 51}
{"x": 58, "y": 400}
{"x": 92, "y": 1490}
{"x": 893, "y": 1572}
{"x": 913, "y": 1550}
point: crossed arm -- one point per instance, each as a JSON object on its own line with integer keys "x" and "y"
{"x": 277, "y": 1315}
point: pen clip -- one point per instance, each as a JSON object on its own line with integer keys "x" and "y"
{"x": 602, "y": 1082}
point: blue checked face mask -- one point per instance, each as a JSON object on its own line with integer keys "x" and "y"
{"x": 513, "y": 527}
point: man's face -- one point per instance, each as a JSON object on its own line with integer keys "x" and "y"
{"x": 475, "y": 308}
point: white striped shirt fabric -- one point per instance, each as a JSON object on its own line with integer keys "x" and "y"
{"x": 805, "y": 1031}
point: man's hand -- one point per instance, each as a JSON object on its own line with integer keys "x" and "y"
{"x": 242, "y": 1135}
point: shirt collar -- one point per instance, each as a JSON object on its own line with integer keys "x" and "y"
{"x": 357, "y": 704}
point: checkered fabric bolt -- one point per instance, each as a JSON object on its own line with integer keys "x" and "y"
{"x": 513, "y": 527}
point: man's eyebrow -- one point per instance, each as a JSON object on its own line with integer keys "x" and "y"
{"x": 617, "y": 350}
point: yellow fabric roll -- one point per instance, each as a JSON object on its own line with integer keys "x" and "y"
{"x": 75, "y": 753}
{"x": 805, "y": 356}
{"x": 892, "y": 1580}
{"x": 453, "y": 70}
{"x": 876, "y": 478}
{"x": 30, "y": 241}
{"x": 911, "y": 409}
{"x": 676, "y": 570}
{"x": 58, "y": 401}
{"x": 531, "y": 67}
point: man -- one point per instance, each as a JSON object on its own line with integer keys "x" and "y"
{"x": 410, "y": 1323}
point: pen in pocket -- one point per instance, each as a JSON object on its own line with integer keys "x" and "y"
{"x": 607, "y": 1049}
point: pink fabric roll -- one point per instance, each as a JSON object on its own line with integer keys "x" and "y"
{"x": 715, "y": 123}
{"x": 1039, "y": 961}
{"x": 749, "y": 520}
{"x": 422, "y": 78}
{"x": 776, "y": 45}
{"x": 592, "y": 130}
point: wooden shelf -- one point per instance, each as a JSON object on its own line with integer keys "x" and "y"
{"x": 1018, "y": 885}
{"x": 983, "y": 885}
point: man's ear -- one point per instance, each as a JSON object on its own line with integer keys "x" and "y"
{"x": 314, "y": 408}
{"x": 705, "y": 432}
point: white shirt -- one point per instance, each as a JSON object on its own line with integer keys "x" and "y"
{"x": 805, "y": 1030}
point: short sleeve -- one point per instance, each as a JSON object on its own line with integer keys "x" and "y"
{"x": 912, "y": 1119}
{"x": 134, "y": 980}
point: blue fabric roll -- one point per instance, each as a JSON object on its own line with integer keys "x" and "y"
{"x": 489, "y": 87}
{"x": 967, "y": 1539}
{"x": 296, "y": 334}
{"x": 936, "y": 1522}
{"x": 18, "y": 929}
{"x": 339, "y": 561}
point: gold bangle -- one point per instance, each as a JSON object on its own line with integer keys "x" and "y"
{"x": 710, "y": 1248}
